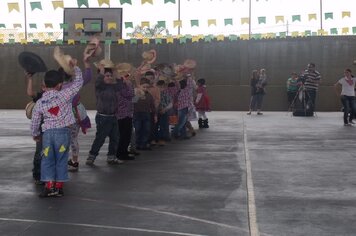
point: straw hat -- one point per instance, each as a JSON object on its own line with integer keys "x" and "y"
{"x": 93, "y": 47}
{"x": 31, "y": 62}
{"x": 106, "y": 63}
{"x": 65, "y": 61}
{"x": 124, "y": 69}
{"x": 190, "y": 64}
{"x": 29, "y": 107}
{"x": 149, "y": 56}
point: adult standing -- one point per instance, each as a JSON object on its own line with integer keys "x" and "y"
{"x": 292, "y": 88}
{"x": 312, "y": 79}
{"x": 347, "y": 96}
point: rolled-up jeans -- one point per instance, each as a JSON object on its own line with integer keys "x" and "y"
{"x": 179, "y": 129}
{"x": 349, "y": 107}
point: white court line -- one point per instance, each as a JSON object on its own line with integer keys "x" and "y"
{"x": 100, "y": 226}
{"x": 250, "y": 189}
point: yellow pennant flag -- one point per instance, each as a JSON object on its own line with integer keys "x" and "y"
{"x": 295, "y": 33}
{"x": 23, "y": 41}
{"x": 139, "y": 36}
{"x": 121, "y": 41}
{"x": 279, "y": 18}
{"x": 177, "y": 23}
{"x": 146, "y": 1}
{"x": 311, "y": 17}
{"x": 245, "y": 20}
{"x": 201, "y": 36}
{"x": 13, "y": 6}
{"x": 1, "y": 41}
{"x": 2, "y": 36}
{"x": 244, "y": 36}
{"x": 211, "y": 22}
{"x": 40, "y": 35}
{"x": 79, "y": 26}
{"x": 145, "y": 24}
{"x": 170, "y": 40}
{"x": 48, "y": 41}
{"x": 48, "y": 25}
{"x": 101, "y": 2}
{"x": 112, "y": 25}
{"x": 17, "y": 26}
{"x": 71, "y": 41}
{"x": 195, "y": 39}
{"x": 345, "y": 30}
{"x": 220, "y": 37}
{"x": 57, "y": 4}
{"x": 271, "y": 35}
{"x": 145, "y": 41}
{"x": 346, "y": 13}
{"x": 321, "y": 32}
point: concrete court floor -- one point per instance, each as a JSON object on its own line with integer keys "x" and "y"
{"x": 272, "y": 175}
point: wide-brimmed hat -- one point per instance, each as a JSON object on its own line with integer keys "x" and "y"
{"x": 31, "y": 62}
{"x": 106, "y": 63}
{"x": 124, "y": 69}
{"x": 93, "y": 47}
{"x": 29, "y": 107}
{"x": 65, "y": 61}
{"x": 190, "y": 64}
{"x": 149, "y": 56}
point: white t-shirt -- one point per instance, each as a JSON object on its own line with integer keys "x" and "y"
{"x": 347, "y": 89}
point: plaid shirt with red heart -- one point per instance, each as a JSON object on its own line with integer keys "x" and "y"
{"x": 55, "y": 107}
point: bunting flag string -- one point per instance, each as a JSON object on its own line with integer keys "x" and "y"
{"x": 57, "y": 4}
{"x": 14, "y": 6}
{"x": 35, "y": 5}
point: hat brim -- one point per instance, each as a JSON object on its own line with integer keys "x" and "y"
{"x": 29, "y": 107}
{"x": 31, "y": 62}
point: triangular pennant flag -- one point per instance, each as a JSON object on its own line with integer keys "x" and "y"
{"x": 71, "y": 41}
{"x": 295, "y": 18}
{"x": 64, "y": 26}
{"x": 228, "y": 21}
{"x": 345, "y": 30}
{"x": 47, "y": 41}
{"x": 121, "y": 41}
{"x": 13, "y": 6}
{"x": 2, "y": 41}
{"x": 195, "y": 39}
{"x": 79, "y": 26}
{"x": 177, "y": 23}
{"x": 353, "y": 30}
{"x": 112, "y": 25}
{"x": 211, "y": 22}
{"x": 245, "y": 20}
{"x": 312, "y": 16}
{"x": 279, "y": 18}
{"x": 40, "y": 35}
{"x": 256, "y": 36}
{"x": 329, "y": 15}
{"x": 158, "y": 41}
{"x": 145, "y": 24}
{"x": 57, "y": 4}
{"x": 182, "y": 40}
{"x": 2, "y": 26}
{"x": 346, "y": 13}
{"x": 271, "y": 35}
{"x": 333, "y": 31}
{"x": 101, "y": 2}
{"x": 220, "y": 37}
{"x": 188, "y": 36}
{"x": 33, "y": 26}
{"x": 233, "y": 37}
{"x": 307, "y": 33}
{"x": 145, "y": 41}
{"x": 48, "y": 25}
{"x": 83, "y": 2}
{"x": 167, "y": 1}
{"x": 133, "y": 41}
{"x": 2, "y": 36}
{"x": 17, "y": 26}
{"x": 295, "y": 33}
{"x": 146, "y": 1}
{"x": 128, "y": 25}
{"x": 23, "y": 41}
{"x": 194, "y": 23}
{"x": 83, "y": 41}
{"x": 320, "y": 32}
{"x": 35, "y": 41}
{"x": 208, "y": 38}
{"x": 169, "y": 39}
{"x": 161, "y": 24}
{"x": 125, "y": 1}
{"x": 108, "y": 41}
{"x": 282, "y": 34}
{"x": 262, "y": 19}
{"x": 244, "y": 36}
{"x": 35, "y": 5}
{"x": 11, "y": 41}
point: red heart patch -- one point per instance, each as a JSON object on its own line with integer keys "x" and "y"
{"x": 54, "y": 110}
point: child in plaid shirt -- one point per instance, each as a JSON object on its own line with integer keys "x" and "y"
{"x": 55, "y": 109}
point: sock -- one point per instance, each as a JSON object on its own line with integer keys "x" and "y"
{"x": 59, "y": 184}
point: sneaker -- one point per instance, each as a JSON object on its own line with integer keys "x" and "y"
{"x": 90, "y": 161}
{"x": 259, "y": 113}
{"x": 248, "y": 113}
{"x": 348, "y": 124}
{"x": 114, "y": 161}
{"x": 48, "y": 192}
{"x": 60, "y": 192}
{"x": 134, "y": 152}
{"x": 73, "y": 166}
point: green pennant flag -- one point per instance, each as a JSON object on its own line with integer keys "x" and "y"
{"x": 82, "y": 2}
{"x": 95, "y": 26}
{"x": 35, "y": 5}
{"x": 158, "y": 41}
{"x": 161, "y": 24}
{"x": 295, "y": 18}
{"x": 11, "y": 41}
{"x": 182, "y": 40}
{"x": 2, "y": 26}
{"x": 125, "y": 1}
{"x": 108, "y": 41}
{"x": 354, "y": 30}
{"x": 262, "y": 19}
{"x": 329, "y": 15}
{"x": 256, "y": 36}
{"x": 208, "y": 38}
{"x": 64, "y": 26}
{"x": 282, "y": 34}
{"x": 333, "y": 31}
{"x": 194, "y": 23}
{"x": 314, "y": 33}
{"x": 83, "y": 41}
{"x": 307, "y": 33}
{"x": 35, "y": 41}
{"x": 188, "y": 36}
{"x": 133, "y": 41}
{"x": 228, "y": 21}
{"x": 128, "y": 25}
{"x": 167, "y": 1}
{"x": 233, "y": 37}
{"x": 50, "y": 33}
{"x": 59, "y": 42}
{"x": 33, "y": 26}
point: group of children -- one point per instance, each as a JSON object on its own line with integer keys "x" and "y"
{"x": 134, "y": 110}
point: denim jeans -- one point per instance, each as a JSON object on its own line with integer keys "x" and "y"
{"x": 142, "y": 123}
{"x": 179, "y": 129}
{"x": 349, "y": 107}
{"x": 105, "y": 126}
{"x": 256, "y": 102}
{"x": 55, "y": 148}
{"x": 310, "y": 97}
{"x": 162, "y": 127}
{"x": 36, "y": 171}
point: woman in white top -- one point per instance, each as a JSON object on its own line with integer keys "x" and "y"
{"x": 347, "y": 96}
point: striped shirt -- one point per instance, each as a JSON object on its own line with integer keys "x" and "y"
{"x": 55, "y": 107}
{"x": 312, "y": 79}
